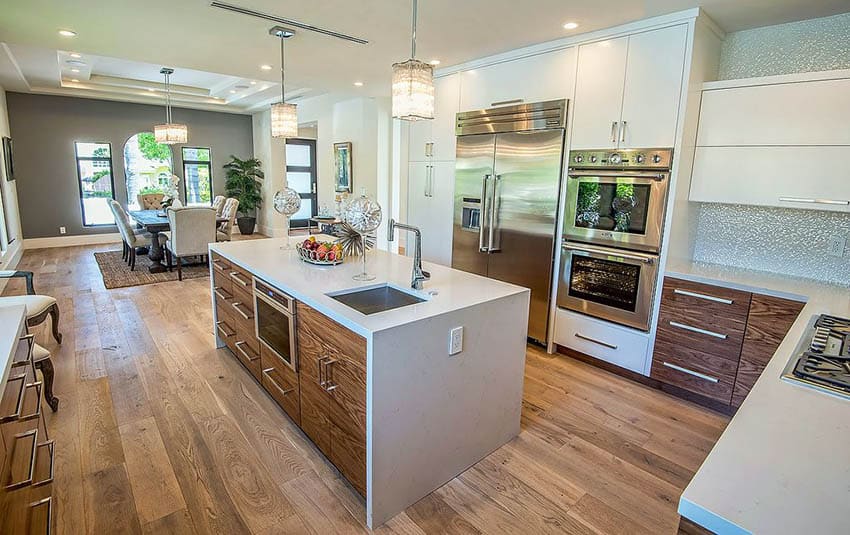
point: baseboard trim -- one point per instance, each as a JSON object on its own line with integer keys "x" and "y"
{"x": 68, "y": 241}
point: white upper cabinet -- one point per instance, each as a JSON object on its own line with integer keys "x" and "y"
{"x": 799, "y": 113}
{"x": 653, "y": 86}
{"x": 548, "y": 76}
{"x": 599, "y": 94}
{"x": 435, "y": 139}
{"x": 431, "y": 208}
{"x": 628, "y": 89}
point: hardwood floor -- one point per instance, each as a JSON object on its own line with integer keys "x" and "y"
{"x": 159, "y": 432}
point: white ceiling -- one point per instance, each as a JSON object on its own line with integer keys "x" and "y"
{"x": 125, "y": 43}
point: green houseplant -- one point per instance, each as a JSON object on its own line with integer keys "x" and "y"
{"x": 243, "y": 183}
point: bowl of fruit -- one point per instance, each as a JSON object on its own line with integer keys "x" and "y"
{"x": 323, "y": 253}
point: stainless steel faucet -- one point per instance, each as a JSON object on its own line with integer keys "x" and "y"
{"x": 419, "y": 275}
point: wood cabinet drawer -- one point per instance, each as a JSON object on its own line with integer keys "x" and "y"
{"x": 243, "y": 303}
{"x": 281, "y": 382}
{"x": 707, "y": 299}
{"x": 240, "y": 279}
{"x": 687, "y": 367}
{"x": 714, "y": 334}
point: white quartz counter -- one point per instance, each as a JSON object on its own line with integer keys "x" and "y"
{"x": 11, "y": 322}
{"x": 783, "y": 463}
{"x": 446, "y": 291}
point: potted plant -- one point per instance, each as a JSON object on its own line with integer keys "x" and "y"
{"x": 243, "y": 183}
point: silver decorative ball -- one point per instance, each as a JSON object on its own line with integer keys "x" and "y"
{"x": 287, "y": 201}
{"x": 363, "y": 214}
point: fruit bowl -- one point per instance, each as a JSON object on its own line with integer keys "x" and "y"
{"x": 320, "y": 253}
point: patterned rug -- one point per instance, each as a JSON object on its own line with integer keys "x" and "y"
{"x": 116, "y": 273}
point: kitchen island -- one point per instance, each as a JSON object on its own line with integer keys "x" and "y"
{"x": 379, "y": 393}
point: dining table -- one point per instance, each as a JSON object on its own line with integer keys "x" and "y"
{"x": 156, "y": 222}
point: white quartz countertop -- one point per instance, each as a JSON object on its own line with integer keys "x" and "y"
{"x": 11, "y": 318}
{"x": 447, "y": 290}
{"x": 783, "y": 463}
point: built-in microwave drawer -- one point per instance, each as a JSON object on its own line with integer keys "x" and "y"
{"x": 618, "y": 345}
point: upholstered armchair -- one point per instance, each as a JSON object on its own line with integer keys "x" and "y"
{"x": 218, "y": 204}
{"x": 231, "y": 207}
{"x": 192, "y": 230}
{"x": 150, "y": 201}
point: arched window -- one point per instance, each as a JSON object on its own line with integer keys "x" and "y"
{"x": 147, "y": 165}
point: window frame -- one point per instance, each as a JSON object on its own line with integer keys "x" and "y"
{"x": 77, "y": 160}
{"x": 207, "y": 163}
{"x": 314, "y": 179}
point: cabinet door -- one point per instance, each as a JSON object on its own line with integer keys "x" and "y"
{"x": 418, "y": 139}
{"x": 653, "y": 85}
{"x": 314, "y": 400}
{"x": 447, "y": 100}
{"x": 418, "y": 180}
{"x": 599, "y": 94}
{"x": 348, "y": 416}
{"x": 537, "y": 78}
{"x": 437, "y": 232}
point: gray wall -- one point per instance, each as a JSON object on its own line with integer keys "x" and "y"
{"x": 45, "y": 128}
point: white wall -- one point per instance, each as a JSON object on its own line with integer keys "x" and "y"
{"x": 9, "y": 257}
{"x": 272, "y": 153}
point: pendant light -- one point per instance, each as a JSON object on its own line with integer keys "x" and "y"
{"x": 413, "y": 84}
{"x": 284, "y": 116}
{"x": 170, "y": 133}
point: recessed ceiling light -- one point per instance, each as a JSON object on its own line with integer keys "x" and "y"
{"x": 75, "y": 62}
{"x": 358, "y": 84}
{"x": 233, "y": 91}
{"x": 74, "y": 80}
{"x": 253, "y": 82}
{"x": 266, "y": 67}
{"x": 264, "y": 88}
{"x": 67, "y": 33}
{"x": 75, "y": 55}
{"x": 75, "y": 70}
{"x": 435, "y": 62}
{"x": 151, "y": 89}
{"x": 570, "y": 25}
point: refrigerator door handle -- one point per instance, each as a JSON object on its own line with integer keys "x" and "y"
{"x": 494, "y": 214}
{"x": 483, "y": 217}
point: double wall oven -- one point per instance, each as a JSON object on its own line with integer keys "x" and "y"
{"x": 613, "y": 225}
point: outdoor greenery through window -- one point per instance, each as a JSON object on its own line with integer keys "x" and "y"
{"x": 147, "y": 166}
{"x": 197, "y": 176}
{"x": 94, "y": 172}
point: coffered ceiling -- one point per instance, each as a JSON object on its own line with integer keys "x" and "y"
{"x": 217, "y": 54}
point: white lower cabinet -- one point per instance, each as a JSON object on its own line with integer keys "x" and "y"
{"x": 431, "y": 208}
{"x": 603, "y": 340}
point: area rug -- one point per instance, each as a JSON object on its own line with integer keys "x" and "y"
{"x": 116, "y": 273}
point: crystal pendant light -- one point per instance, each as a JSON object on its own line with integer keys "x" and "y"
{"x": 284, "y": 116}
{"x": 170, "y": 133}
{"x": 413, "y": 84}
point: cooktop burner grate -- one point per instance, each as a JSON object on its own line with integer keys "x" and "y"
{"x": 825, "y": 363}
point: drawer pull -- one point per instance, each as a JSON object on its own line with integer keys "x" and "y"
{"x": 237, "y": 305}
{"x": 222, "y": 293}
{"x": 33, "y": 434}
{"x": 19, "y": 404}
{"x": 37, "y": 386}
{"x": 840, "y": 202}
{"x": 220, "y": 325}
{"x": 696, "y": 330}
{"x": 44, "y": 522}
{"x": 595, "y": 341}
{"x": 240, "y": 345}
{"x": 238, "y": 278}
{"x": 51, "y": 449}
{"x": 283, "y": 392}
{"x": 691, "y": 372}
{"x": 703, "y": 296}
{"x": 220, "y": 266}
{"x": 30, "y": 340}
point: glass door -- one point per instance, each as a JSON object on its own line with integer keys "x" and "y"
{"x": 301, "y": 176}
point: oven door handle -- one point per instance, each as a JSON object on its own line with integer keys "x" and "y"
{"x": 617, "y": 174}
{"x": 608, "y": 252}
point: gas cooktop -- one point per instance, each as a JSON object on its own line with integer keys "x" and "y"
{"x": 824, "y": 362}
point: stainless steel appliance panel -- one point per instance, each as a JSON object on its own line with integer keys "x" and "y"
{"x": 523, "y": 211}
{"x": 518, "y": 118}
{"x": 474, "y": 183}
{"x": 274, "y": 322}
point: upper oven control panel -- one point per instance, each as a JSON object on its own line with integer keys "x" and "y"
{"x": 622, "y": 159}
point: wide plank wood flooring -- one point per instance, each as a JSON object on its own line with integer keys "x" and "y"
{"x": 159, "y": 432}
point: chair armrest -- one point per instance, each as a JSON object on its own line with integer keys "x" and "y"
{"x": 8, "y": 274}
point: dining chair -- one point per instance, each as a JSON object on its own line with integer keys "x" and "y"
{"x": 38, "y": 307}
{"x": 218, "y": 204}
{"x": 150, "y": 201}
{"x": 128, "y": 234}
{"x": 192, "y": 230}
{"x": 225, "y": 230}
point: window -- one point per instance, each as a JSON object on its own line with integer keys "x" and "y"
{"x": 94, "y": 172}
{"x": 147, "y": 166}
{"x": 301, "y": 176}
{"x": 197, "y": 176}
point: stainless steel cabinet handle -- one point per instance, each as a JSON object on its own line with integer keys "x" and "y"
{"x": 623, "y": 132}
{"x": 222, "y": 293}
{"x": 26, "y": 481}
{"x": 219, "y": 266}
{"x": 607, "y": 252}
{"x": 35, "y": 414}
{"x": 614, "y": 132}
{"x": 595, "y": 341}
{"x": 51, "y": 446}
{"x": 494, "y": 212}
{"x": 617, "y": 174}
{"x": 840, "y": 202}
{"x": 220, "y": 326}
{"x": 235, "y": 276}
{"x": 702, "y": 296}
{"x": 283, "y": 392}
{"x": 697, "y": 330}
{"x": 46, "y": 502}
{"x": 329, "y": 384}
{"x": 240, "y": 346}
{"x": 483, "y": 216}
{"x": 691, "y": 372}
{"x": 19, "y": 404}
{"x": 237, "y": 305}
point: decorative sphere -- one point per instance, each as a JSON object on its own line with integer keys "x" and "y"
{"x": 363, "y": 214}
{"x": 287, "y": 201}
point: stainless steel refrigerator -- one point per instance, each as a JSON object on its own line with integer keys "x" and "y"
{"x": 507, "y": 182}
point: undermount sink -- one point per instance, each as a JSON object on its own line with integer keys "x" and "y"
{"x": 374, "y": 299}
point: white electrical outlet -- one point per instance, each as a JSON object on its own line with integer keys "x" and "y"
{"x": 61, "y": 230}
{"x": 836, "y": 245}
{"x": 456, "y": 341}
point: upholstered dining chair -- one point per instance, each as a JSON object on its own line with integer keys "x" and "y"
{"x": 225, "y": 230}
{"x": 218, "y": 204}
{"x": 38, "y": 306}
{"x": 128, "y": 235}
{"x": 150, "y": 201}
{"x": 192, "y": 230}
